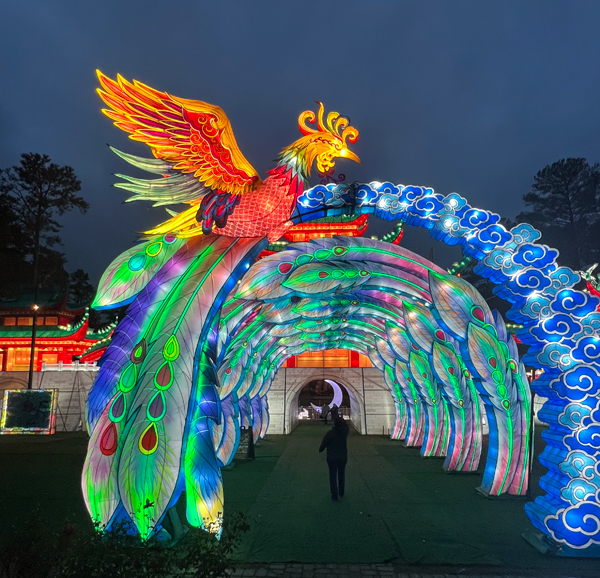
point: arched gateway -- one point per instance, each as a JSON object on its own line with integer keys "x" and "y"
{"x": 206, "y": 331}
{"x": 431, "y": 334}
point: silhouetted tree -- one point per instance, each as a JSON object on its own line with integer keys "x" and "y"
{"x": 81, "y": 290}
{"x": 13, "y": 262}
{"x": 37, "y": 191}
{"x": 563, "y": 204}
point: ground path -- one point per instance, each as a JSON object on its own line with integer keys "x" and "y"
{"x": 401, "y": 515}
{"x": 399, "y": 508}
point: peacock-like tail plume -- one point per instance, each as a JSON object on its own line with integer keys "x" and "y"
{"x": 400, "y": 405}
{"x": 416, "y": 413}
{"x": 153, "y": 436}
{"x": 436, "y": 431}
{"x": 226, "y": 434}
{"x": 111, "y": 396}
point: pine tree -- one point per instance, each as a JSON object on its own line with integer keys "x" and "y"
{"x": 563, "y": 205}
{"x": 34, "y": 193}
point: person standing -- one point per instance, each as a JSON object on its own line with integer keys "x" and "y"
{"x": 337, "y": 456}
{"x": 324, "y": 413}
{"x": 335, "y": 411}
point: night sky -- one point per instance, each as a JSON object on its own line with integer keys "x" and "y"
{"x": 473, "y": 97}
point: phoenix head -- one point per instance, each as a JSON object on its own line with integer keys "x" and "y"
{"x": 323, "y": 144}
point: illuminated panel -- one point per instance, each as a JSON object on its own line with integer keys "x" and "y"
{"x": 29, "y": 411}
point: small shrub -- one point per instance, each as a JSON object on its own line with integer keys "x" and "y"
{"x": 32, "y": 551}
{"x": 38, "y": 552}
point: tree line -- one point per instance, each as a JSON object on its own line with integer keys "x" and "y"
{"x": 563, "y": 203}
{"x": 33, "y": 195}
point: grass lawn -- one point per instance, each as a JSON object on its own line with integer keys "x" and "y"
{"x": 398, "y": 506}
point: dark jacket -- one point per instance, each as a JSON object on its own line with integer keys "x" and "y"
{"x": 335, "y": 441}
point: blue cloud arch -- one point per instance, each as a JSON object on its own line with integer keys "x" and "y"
{"x": 567, "y": 347}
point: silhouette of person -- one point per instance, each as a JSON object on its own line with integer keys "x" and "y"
{"x": 324, "y": 413}
{"x": 335, "y": 411}
{"x": 337, "y": 456}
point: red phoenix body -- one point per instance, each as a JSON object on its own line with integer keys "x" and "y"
{"x": 201, "y": 165}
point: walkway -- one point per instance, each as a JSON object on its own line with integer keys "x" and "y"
{"x": 399, "y": 508}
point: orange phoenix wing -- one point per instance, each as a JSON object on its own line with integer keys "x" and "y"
{"x": 193, "y": 135}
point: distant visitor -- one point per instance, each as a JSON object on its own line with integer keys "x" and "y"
{"x": 337, "y": 456}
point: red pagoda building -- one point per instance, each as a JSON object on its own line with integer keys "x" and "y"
{"x": 62, "y": 333}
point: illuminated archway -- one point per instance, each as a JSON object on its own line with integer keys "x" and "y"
{"x": 297, "y": 383}
{"x": 431, "y": 334}
{"x": 559, "y": 323}
{"x": 158, "y": 403}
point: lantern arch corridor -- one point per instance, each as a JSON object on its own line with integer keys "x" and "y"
{"x": 188, "y": 366}
{"x": 431, "y": 335}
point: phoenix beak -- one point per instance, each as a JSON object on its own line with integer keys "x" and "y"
{"x": 350, "y": 155}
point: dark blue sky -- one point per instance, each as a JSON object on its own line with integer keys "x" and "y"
{"x": 472, "y": 97}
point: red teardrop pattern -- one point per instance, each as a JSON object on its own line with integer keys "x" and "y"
{"x": 323, "y": 274}
{"x": 451, "y": 370}
{"x": 163, "y": 377}
{"x": 284, "y": 268}
{"x": 440, "y": 335}
{"x": 149, "y": 440}
{"x": 108, "y": 441}
{"x": 493, "y": 362}
{"x": 477, "y": 313}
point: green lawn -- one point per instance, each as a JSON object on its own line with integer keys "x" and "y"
{"x": 398, "y": 506}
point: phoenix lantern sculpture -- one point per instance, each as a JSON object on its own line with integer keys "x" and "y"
{"x": 149, "y": 408}
{"x": 202, "y": 166}
{"x": 203, "y": 335}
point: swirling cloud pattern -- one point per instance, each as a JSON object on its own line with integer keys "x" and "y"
{"x": 578, "y": 383}
{"x": 578, "y": 525}
{"x": 558, "y": 327}
{"x": 333, "y": 196}
{"x": 527, "y": 281}
{"x": 573, "y": 415}
{"x": 574, "y": 303}
{"x": 586, "y": 439}
{"x": 530, "y": 255}
{"x": 587, "y": 350}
